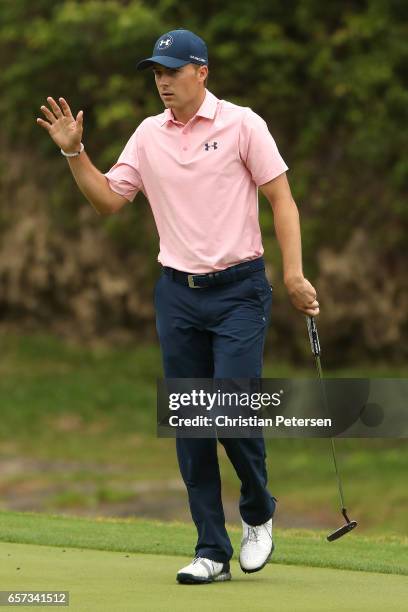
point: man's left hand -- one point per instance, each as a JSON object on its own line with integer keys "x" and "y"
{"x": 303, "y": 295}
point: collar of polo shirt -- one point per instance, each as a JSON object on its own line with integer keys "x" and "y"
{"x": 207, "y": 109}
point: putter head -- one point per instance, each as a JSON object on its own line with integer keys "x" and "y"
{"x": 341, "y": 531}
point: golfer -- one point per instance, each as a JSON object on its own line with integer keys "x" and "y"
{"x": 200, "y": 163}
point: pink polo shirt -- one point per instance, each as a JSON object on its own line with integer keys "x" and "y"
{"x": 201, "y": 179}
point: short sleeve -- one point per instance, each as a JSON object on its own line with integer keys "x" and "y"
{"x": 124, "y": 177}
{"x": 258, "y": 149}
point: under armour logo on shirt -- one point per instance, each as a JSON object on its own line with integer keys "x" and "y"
{"x": 208, "y": 145}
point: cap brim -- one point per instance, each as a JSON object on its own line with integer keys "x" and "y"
{"x": 164, "y": 60}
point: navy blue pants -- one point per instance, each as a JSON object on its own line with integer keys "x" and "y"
{"x": 217, "y": 332}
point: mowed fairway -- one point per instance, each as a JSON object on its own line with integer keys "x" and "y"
{"x": 118, "y": 576}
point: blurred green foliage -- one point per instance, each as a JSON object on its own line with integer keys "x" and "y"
{"x": 329, "y": 78}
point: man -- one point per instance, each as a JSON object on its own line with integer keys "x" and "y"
{"x": 200, "y": 163}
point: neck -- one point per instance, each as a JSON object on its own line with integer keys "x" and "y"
{"x": 187, "y": 112}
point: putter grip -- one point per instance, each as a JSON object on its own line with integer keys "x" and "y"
{"x": 313, "y": 335}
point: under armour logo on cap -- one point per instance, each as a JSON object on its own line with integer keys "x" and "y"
{"x": 176, "y": 49}
{"x": 208, "y": 145}
{"x": 165, "y": 42}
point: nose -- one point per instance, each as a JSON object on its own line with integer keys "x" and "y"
{"x": 162, "y": 79}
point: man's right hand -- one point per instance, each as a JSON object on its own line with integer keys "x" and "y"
{"x": 65, "y": 131}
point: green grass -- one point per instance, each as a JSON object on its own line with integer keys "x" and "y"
{"x": 96, "y": 408}
{"x": 127, "y": 565}
{"x": 106, "y": 581}
{"x": 387, "y": 554}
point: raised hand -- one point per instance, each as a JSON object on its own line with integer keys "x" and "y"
{"x": 64, "y": 129}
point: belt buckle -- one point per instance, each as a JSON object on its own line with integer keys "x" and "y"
{"x": 190, "y": 278}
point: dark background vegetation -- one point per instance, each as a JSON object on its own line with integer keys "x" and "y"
{"x": 330, "y": 79}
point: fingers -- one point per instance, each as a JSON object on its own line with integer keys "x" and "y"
{"x": 312, "y": 312}
{"x": 55, "y": 108}
{"x": 312, "y": 309}
{"x": 58, "y": 121}
{"x": 44, "y": 124}
{"x": 308, "y": 307}
{"x": 311, "y": 290}
{"x": 56, "y": 114}
{"x": 48, "y": 114}
{"x": 65, "y": 108}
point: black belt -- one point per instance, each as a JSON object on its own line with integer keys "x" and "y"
{"x": 229, "y": 275}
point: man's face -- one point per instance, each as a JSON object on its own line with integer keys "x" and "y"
{"x": 179, "y": 86}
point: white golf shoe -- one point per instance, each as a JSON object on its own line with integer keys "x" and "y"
{"x": 256, "y": 546}
{"x": 202, "y": 570}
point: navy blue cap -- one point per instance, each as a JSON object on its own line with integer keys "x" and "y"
{"x": 176, "y": 49}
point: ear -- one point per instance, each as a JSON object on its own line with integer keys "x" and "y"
{"x": 203, "y": 72}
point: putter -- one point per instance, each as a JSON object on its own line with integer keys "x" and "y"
{"x": 315, "y": 345}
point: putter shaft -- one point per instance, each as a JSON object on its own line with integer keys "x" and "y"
{"x": 315, "y": 346}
